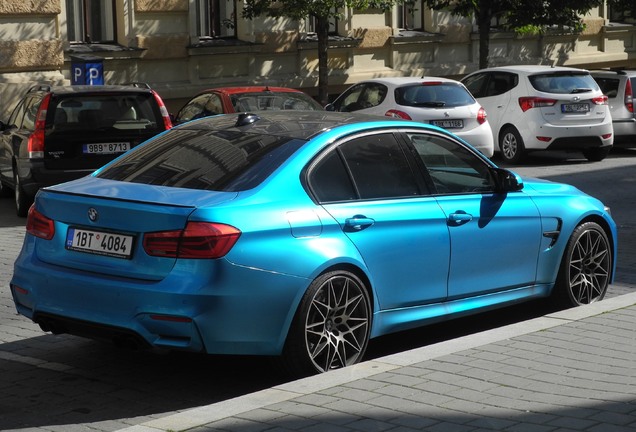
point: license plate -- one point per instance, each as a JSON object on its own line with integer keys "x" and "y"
{"x": 100, "y": 243}
{"x": 448, "y": 124}
{"x": 106, "y": 148}
{"x": 575, "y": 108}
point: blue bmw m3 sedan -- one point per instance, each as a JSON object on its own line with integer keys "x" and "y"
{"x": 301, "y": 235}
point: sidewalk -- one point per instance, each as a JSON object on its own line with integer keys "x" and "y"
{"x": 573, "y": 370}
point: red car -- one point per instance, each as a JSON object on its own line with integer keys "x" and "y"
{"x": 225, "y": 100}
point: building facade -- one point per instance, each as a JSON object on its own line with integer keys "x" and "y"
{"x": 180, "y": 47}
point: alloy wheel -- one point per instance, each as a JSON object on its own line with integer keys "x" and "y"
{"x": 589, "y": 267}
{"x": 337, "y": 323}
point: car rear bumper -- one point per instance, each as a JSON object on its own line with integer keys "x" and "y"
{"x": 240, "y": 311}
{"x": 556, "y": 137}
{"x": 624, "y": 131}
{"x": 481, "y": 138}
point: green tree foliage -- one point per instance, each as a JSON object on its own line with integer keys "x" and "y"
{"x": 322, "y": 10}
{"x": 519, "y": 15}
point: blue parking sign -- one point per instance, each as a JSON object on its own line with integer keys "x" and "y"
{"x": 87, "y": 72}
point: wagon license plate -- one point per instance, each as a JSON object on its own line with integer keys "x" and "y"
{"x": 106, "y": 148}
{"x": 575, "y": 108}
{"x": 100, "y": 243}
{"x": 448, "y": 124}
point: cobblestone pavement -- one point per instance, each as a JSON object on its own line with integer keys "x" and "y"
{"x": 574, "y": 370}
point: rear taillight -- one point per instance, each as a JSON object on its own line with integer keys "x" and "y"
{"x": 481, "y": 116}
{"x": 629, "y": 99}
{"x": 164, "y": 111}
{"x": 197, "y": 240}
{"x": 39, "y": 225}
{"x": 601, "y": 100}
{"x": 527, "y": 103}
{"x": 35, "y": 145}
{"x": 397, "y": 114}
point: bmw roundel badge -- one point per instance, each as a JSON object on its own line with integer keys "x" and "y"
{"x": 92, "y": 214}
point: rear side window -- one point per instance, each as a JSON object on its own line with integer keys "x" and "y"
{"x": 379, "y": 167}
{"x": 368, "y": 167}
{"x": 609, "y": 86}
{"x": 125, "y": 112}
{"x": 433, "y": 95}
{"x": 199, "y": 159}
{"x": 564, "y": 82}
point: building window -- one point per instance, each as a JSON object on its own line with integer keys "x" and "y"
{"x": 91, "y": 21}
{"x": 216, "y": 18}
{"x": 311, "y": 24}
{"x": 409, "y": 15}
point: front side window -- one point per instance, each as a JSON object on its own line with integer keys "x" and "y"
{"x": 91, "y": 21}
{"x": 452, "y": 168}
{"x": 216, "y": 18}
{"x": 361, "y": 96}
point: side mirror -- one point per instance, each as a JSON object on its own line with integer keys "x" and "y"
{"x": 330, "y": 107}
{"x": 507, "y": 181}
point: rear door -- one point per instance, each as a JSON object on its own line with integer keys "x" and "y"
{"x": 400, "y": 233}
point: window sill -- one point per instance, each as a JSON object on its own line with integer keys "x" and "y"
{"x": 103, "y": 50}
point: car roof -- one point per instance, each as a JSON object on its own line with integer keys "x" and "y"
{"x": 250, "y": 89}
{"x": 289, "y": 123}
{"x": 409, "y": 80}
{"x": 63, "y": 90}
{"x": 531, "y": 69}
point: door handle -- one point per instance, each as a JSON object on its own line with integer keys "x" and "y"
{"x": 459, "y": 218}
{"x": 358, "y": 223}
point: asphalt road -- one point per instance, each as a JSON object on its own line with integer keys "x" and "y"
{"x": 65, "y": 383}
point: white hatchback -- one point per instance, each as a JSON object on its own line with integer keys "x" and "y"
{"x": 543, "y": 108}
{"x": 441, "y": 102}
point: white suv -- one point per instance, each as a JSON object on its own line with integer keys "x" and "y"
{"x": 619, "y": 87}
{"x": 543, "y": 108}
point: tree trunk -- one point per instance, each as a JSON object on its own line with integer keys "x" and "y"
{"x": 323, "y": 68}
{"x": 483, "y": 22}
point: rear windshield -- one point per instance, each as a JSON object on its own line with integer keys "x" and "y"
{"x": 125, "y": 113}
{"x": 433, "y": 95}
{"x": 273, "y": 101}
{"x": 224, "y": 160}
{"x": 564, "y": 82}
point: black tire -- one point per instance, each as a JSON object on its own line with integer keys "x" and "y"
{"x": 22, "y": 200}
{"x": 596, "y": 154}
{"x": 511, "y": 145}
{"x": 586, "y": 267}
{"x": 331, "y": 327}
